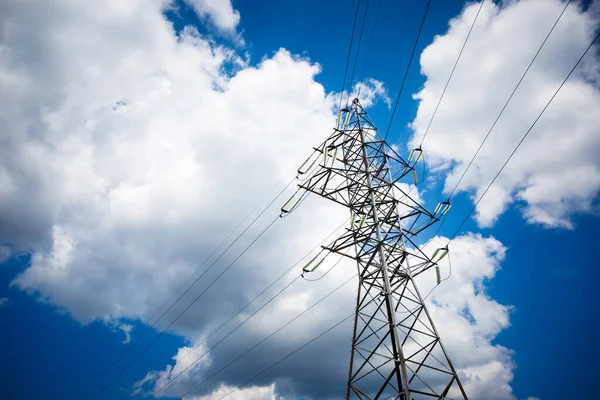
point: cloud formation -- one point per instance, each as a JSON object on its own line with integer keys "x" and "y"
{"x": 220, "y": 13}
{"x": 4, "y": 301}
{"x": 469, "y": 317}
{"x": 144, "y": 147}
{"x": 5, "y": 253}
{"x": 556, "y": 172}
{"x": 253, "y": 393}
{"x": 126, "y": 329}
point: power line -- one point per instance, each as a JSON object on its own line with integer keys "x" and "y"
{"x": 364, "y": 69}
{"x": 412, "y": 54}
{"x": 150, "y": 327}
{"x": 179, "y": 298}
{"x": 524, "y": 137}
{"x": 289, "y": 355}
{"x": 445, "y": 87}
{"x": 187, "y": 307}
{"x": 488, "y": 134}
{"x": 502, "y": 111}
{"x": 362, "y": 29}
{"x": 242, "y": 309}
{"x": 343, "y": 86}
{"x": 156, "y": 392}
{"x": 349, "y": 54}
{"x": 510, "y": 97}
{"x": 271, "y": 335}
{"x": 520, "y": 142}
{"x": 452, "y": 72}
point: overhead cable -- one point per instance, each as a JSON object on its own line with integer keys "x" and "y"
{"x": 412, "y": 54}
{"x": 362, "y": 29}
{"x": 273, "y": 334}
{"x": 525, "y": 136}
{"x": 510, "y": 97}
{"x": 241, "y": 310}
{"x": 503, "y": 108}
{"x": 452, "y": 72}
{"x": 369, "y": 44}
{"x": 186, "y": 308}
{"x": 287, "y": 356}
{"x": 153, "y": 324}
{"x": 349, "y": 53}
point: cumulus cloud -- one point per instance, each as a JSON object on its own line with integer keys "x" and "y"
{"x": 556, "y": 172}
{"x": 485, "y": 368}
{"x": 126, "y": 328}
{"x": 5, "y": 253}
{"x": 220, "y": 13}
{"x": 153, "y": 145}
{"x": 144, "y": 147}
{"x": 371, "y": 91}
{"x": 252, "y": 393}
{"x": 193, "y": 361}
{"x": 4, "y": 302}
{"x": 469, "y": 318}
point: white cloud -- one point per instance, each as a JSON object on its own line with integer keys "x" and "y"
{"x": 4, "y": 301}
{"x": 556, "y": 172}
{"x": 126, "y": 328}
{"x": 5, "y": 253}
{"x": 142, "y": 150}
{"x": 251, "y": 393}
{"x": 468, "y": 317}
{"x": 219, "y": 12}
{"x": 371, "y": 92}
{"x": 150, "y": 151}
{"x": 193, "y": 361}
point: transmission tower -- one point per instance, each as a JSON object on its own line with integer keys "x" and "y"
{"x": 396, "y": 350}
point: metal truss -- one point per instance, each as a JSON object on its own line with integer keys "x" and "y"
{"x": 396, "y": 350}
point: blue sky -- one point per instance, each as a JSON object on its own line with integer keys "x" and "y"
{"x": 52, "y": 349}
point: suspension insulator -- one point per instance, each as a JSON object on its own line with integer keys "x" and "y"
{"x": 347, "y": 120}
{"x": 313, "y": 264}
{"x": 334, "y": 156}
{"x": 415, "y": 152}
{"x": 309, "y": 164}
{"x": 439, "y": 253}
{"x": 446, "y": 209}
{"x": 352, "y": 219}
{"x": 294, "y": 201}
{"x": 362, "y": 221}
{"x": 444, "y": 206}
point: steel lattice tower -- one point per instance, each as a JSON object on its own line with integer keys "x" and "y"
{"x": 396, "y": 350}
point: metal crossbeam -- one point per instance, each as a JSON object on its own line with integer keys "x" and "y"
{"x": 396, "y": 350}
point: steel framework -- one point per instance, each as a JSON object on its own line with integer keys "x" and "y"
{"x": 396, "y": 350}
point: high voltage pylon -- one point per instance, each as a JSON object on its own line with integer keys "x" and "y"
{"x": 396, "y": 350}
